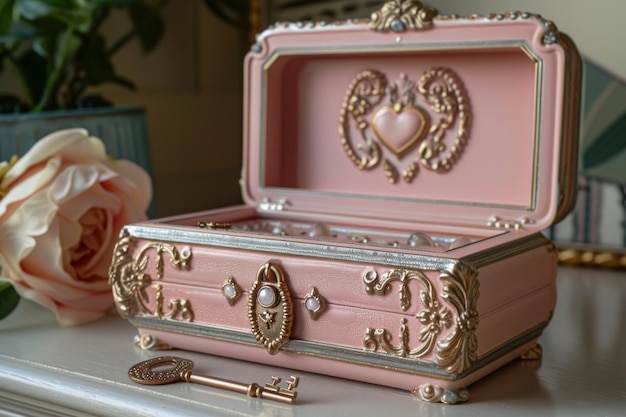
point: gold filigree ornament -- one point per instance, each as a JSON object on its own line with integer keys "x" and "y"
{"x": 231, "y": 290}
{"x": 314, "y": 303}
{"x": 129, "y": 281}
{"x": 270, "y": 308}
{"x": 387, "y": 123}
{"x": 433, "y": 318}
{"x": 402, "y": 15}
{"x": 457, "y": 351}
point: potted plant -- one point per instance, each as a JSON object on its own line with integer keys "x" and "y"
{"x": 57, "y": 51}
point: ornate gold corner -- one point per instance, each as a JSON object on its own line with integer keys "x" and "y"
{"x": 402, "y": 15}
{"x": 457, "y": 351}
{"x": 270, "y": 308}
{"x": 129, "y": 281}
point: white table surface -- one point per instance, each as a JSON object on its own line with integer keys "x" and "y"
{"x": 48, "y": 370}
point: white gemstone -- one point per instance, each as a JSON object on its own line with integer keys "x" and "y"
{"x": 266, "y": 297}
{"x": 312, "y": 304}
{"x": 230, "y": 291}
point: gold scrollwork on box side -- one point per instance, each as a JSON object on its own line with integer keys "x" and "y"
{"x": 402, "y": 15}
{"x": 457, "y": 352}
{"x": 129, "y": 282}
{"x": 433, "y": 317}
{"x": 386, "y": 122}
{"x": 270, "y": 308}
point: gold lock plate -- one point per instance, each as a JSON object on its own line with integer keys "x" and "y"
{"x": 270, "y": 308}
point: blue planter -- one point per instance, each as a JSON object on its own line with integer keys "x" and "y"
{"x": 122, "y": 129}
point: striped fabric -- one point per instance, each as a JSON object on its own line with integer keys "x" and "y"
{"x": 599, "y": 219}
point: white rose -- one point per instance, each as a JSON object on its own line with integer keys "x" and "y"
{"x": 65, "y": 204}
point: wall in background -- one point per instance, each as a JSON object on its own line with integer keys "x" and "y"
{"x": 597, "y": 27}
{"x": 191, "y": 88}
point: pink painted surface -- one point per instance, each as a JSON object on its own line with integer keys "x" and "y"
{"x": 296, "y": 86}
{"x": 379, "y": 376}
{"x": 517, "y": 294}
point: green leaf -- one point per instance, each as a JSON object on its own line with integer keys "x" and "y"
{"x": 149, "y": 25}
{"x": 37, "y": 9}
{"x": 115, "y": 3}
{"x": 95, "y": 60}
{"x": 33, "y": 67}
{"x": 67, "y": 12}
{"x": 9, "y": 298}
{"x": 18, "y": 36}
{"x": 6, "y": 16}
{"x": 234, "y": 12}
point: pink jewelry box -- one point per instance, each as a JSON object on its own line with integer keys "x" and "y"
{"x": 398, "y": 173}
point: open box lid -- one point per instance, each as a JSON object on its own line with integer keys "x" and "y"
{"x": 414, "y": 117}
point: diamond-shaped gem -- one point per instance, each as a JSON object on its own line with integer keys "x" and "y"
{"x": 314, "y": 303}
{"x": 231, "y": 290}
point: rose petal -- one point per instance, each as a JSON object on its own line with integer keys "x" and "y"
{"x": 31, "y": 183}
{"x": 63, "y": 142}
{"x": 65, "y": 206}
{"x": 139, "y": 183}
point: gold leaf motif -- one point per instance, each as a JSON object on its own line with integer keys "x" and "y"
{"x": 457, "y": 352}
{"x": 129, "y": 282}
{"x": 433, "y": 317}
{"x": 402, "y": 15}
{"x": 390, "y": 172}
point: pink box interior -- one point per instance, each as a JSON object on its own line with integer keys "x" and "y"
{"x": 509, "y": 167}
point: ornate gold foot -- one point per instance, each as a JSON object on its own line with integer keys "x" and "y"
{"x": 148, "y": 342}
{"x": 533, "y": 354}
{"x": 434, "y": 394}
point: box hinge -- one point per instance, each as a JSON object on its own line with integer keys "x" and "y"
{"x": 499, "y": 223}
{"x": 274, "y": 205}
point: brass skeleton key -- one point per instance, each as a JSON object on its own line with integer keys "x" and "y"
{"x": 180, "y": 370}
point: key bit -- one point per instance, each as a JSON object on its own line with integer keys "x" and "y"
{"x": 180, "y": 371}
